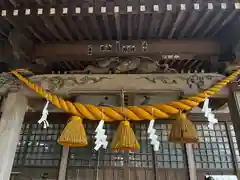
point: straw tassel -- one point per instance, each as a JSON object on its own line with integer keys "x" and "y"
{"x": 124, "y": 138}
{"x": 183, "y": 130}
{"x": 74, "y": 134}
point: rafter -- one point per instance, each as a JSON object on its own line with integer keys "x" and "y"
{"x": 106, "y": 22}
{"x": 203, "y": 19}
{"x": 167, "y": 20}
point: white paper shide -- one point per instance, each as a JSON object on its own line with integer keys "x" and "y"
{"x": 101, "y": 138}
{"x": 152, "y": 136}
{"x": 208, "y": 114}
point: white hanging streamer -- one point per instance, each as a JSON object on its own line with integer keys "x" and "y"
{"x": 44, "y": 116}
{"x": 101, "y": 138}
{"x": 152, "y": 135}
{"x": 208, "y": 114}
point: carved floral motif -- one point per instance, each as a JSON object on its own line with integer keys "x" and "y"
{"x": 192, "y": 81}
{"x": 7, "y": 79}
{"x": 163, "y": 79}
{"x": 58, "y": 82}
{"x": 188, "y": 83}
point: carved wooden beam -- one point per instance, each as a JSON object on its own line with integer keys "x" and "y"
{"x": 189, "y": 84}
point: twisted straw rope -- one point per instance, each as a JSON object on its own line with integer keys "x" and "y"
{"x": 135, "y": 113}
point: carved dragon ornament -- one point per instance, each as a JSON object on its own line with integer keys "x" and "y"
{"x": 116, "y": 65}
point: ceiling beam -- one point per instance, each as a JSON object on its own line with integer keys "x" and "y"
{"x": 79, "y": 49}
{"x": 196, "y": 47}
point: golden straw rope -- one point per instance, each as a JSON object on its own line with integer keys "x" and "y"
{"x": 135, "y": 113}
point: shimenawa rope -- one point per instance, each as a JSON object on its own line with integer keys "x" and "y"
{"x": 135, "y": 113}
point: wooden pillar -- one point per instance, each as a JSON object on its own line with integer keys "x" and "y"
{"x": 234, "y": 108}
{"x": 14, "y": 108}
{"x": 191, "y": 162}
{"x": 63, "y": 164}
